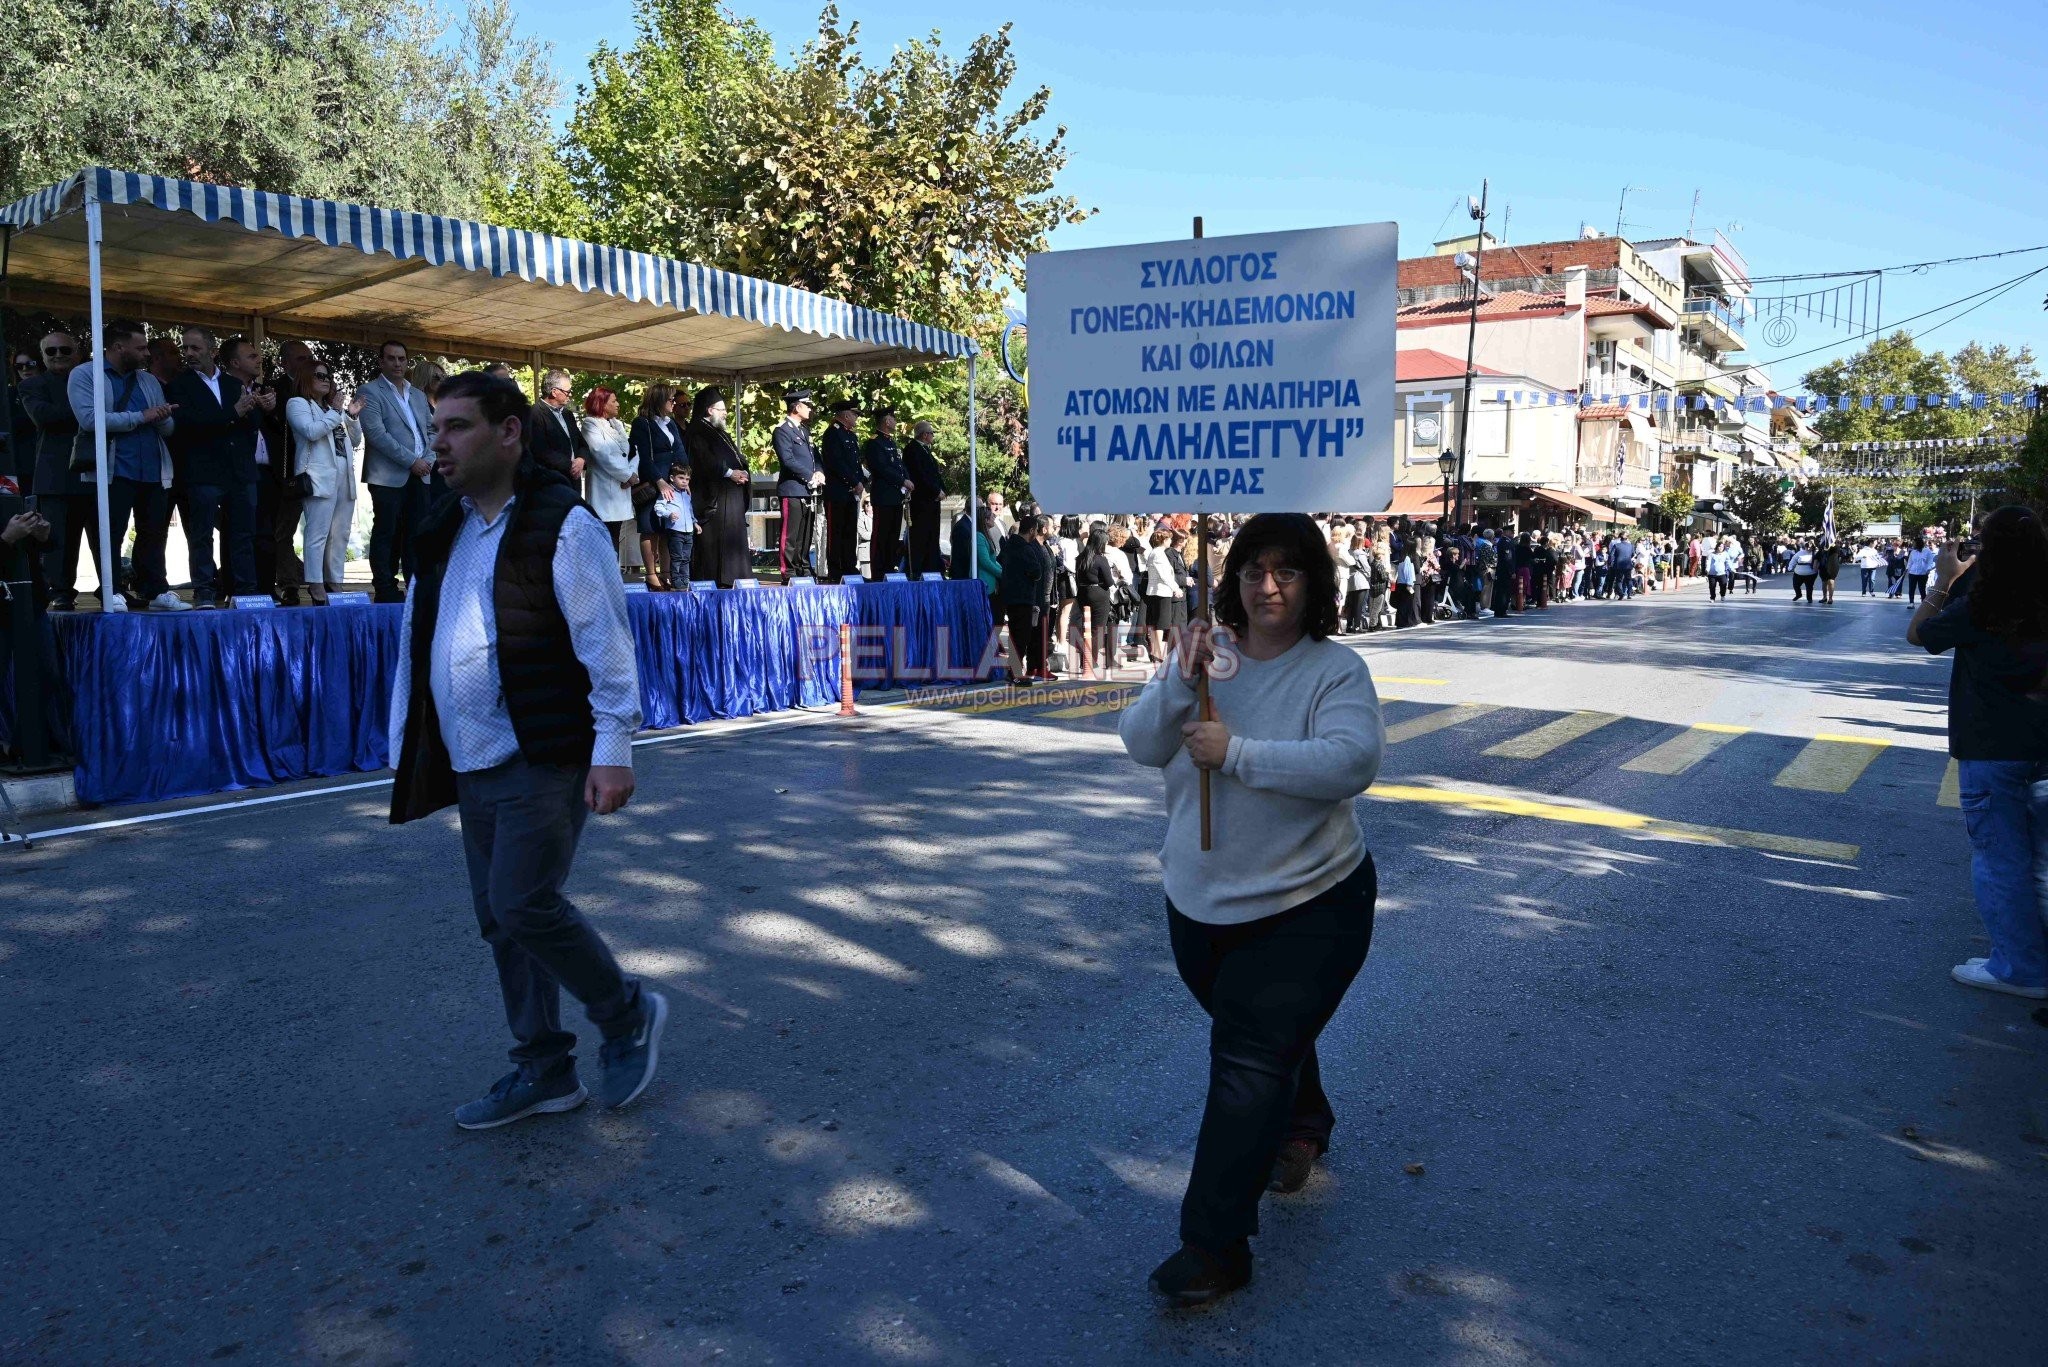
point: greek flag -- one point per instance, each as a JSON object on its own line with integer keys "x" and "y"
{"x": 1827, "y": 522}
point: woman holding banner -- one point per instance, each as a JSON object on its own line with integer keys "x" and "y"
{"x": 1270, "y": 926}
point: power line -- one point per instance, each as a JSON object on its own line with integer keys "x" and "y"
{"x": 1908, "y": 266}
{"x": 1994, "y": 292}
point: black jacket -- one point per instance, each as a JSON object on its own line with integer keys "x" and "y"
{"x": 48, "y": 404}
{"x": 797, "y": 458}
{"x": 653, "y": 448}
{"x": 924, "y": 472}
{"x": 886, "y": 475}
{"x": 551, "y": 446}
{"x": 211, "y": 443}
{"x": 844, "y": 477}
{"x": 547, "y": 689}
{"x": 1027, "y": 573}
{"x": 712, "y": 457}
{"x": 962, "y": 565}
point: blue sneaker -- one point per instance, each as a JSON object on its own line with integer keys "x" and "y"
{"x": 515, "y": 1097}
{"x": 629, "y": 1060}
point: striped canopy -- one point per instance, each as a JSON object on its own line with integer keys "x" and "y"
{"x": 178, "y": 251}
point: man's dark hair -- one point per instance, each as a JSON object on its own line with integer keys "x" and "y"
{"x": 1302, "y": 548}
{"x": 497, "y": 398}
{"x": 383, "y": 347}
{"x": 230, "y": 348}
{"x": 118, "y": 330}
{"x": 2008, "y": 593}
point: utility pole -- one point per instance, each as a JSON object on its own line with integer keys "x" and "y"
{"x": 1477, "y": 208}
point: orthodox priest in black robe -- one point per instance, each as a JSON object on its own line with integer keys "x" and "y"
{"x": 720, "y": 487}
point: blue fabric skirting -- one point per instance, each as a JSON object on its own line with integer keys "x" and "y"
{"x": 175, "y": 706}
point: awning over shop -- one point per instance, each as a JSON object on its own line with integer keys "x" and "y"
{"x": 181, "y": 251}
{"x": 1414, "y": 500}
{"x": 1571, "y": 502}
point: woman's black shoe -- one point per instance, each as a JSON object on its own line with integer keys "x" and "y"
{"x": 1197, "y": 1276}
{"x": 1297, "y": 1158}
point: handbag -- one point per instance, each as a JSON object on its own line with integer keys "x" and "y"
{"x": 84, "y": 450}
{"x": 646, "y": 493}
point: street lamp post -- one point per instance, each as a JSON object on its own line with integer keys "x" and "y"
{"x": 1447, "y": 465}
{"x": 1477, "y": 208}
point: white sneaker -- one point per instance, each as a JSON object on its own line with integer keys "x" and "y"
{"x": 169, "y": 602}
{"x": 1974, "y": 974}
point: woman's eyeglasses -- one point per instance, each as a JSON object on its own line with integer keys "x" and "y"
{"x": 321, "y": 375}
{"x": 26, "y": 364}
{"x": 1255, "y": 575}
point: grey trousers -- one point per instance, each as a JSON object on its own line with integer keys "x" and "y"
{"x": 520, "y": 824}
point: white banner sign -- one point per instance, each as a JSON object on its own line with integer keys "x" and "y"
{"x": 1225, "y": 374}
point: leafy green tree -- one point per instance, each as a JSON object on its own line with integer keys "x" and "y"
{"x": 1896, "y": 365}
{"x": 1676, "y": 505}
{"x": 917, "y": 187}
{"x": 390, "y": 102}
{"x": 1754, "y": 496}
{"x": 1810, "y": 501}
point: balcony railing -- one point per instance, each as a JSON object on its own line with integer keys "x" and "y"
{"x": 1696, "y": 309}
{"x": 1603, "y": 475}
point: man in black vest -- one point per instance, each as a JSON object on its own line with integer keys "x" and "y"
{"x": 517, "y": 699}
{"x": 845, "y": 483}
{"x": 927, "y": 488}
{"x": 889, "y": 487}
{"x": 798, "y": 484}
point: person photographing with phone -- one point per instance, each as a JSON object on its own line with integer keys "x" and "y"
{"x": 1989, "y": 604}
{"x": 1268, "y": 927}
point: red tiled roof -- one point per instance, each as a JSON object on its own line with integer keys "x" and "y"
{"x": 1514, "y": 263}
{"x": 1506, "y": 304}
{"x": 1425, "y": 363}
{"x": 1602, "y": 412}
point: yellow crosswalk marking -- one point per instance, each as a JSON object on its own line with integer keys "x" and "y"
{"x": 1685, "y": 749}
{"x": 1094, "y": 709}
{"x": 1436, "y": 721}
{"x": 1547, "y": 737}
{"x": 1510, "y": 804}
{"x": 1830, "y": 764}
{"x": 1951, "y": 794}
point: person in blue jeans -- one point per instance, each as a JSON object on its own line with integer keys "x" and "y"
{"x": 1992, "y": 611}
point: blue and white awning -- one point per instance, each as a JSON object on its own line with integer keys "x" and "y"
{"x": 178, "y": 250}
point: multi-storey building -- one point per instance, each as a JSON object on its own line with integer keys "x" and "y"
{"x": 1641, "y": 332}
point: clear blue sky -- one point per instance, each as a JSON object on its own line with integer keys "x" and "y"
{"x": 1838, "y": 136}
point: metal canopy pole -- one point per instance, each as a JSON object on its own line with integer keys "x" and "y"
{"x": 110, "y": 554}
{"x": 973, "y": 476}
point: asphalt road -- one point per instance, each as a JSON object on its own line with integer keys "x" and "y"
{"x": 1672, "y": 1048}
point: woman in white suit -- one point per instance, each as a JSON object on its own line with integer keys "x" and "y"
{"x": 325, "y": 435}
{"x": 613, "y": 471}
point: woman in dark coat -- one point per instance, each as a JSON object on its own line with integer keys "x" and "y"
{"x": 721, "y": 487}
{"x": 653, "y": 441}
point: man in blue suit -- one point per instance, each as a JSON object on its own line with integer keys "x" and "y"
{"x": 1621, "y": 567}
{"x": 397, "y": 436}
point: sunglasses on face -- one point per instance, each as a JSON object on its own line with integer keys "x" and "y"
{"x": 58, "y": 350}
{"x": 28, "y": 365}
{"x": 321, "y": 375}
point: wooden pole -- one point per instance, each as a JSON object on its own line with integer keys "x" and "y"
{"x": 1205, "y": 709}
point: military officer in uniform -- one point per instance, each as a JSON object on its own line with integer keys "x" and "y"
{"x": 845, "y": 483}
{"x": 926, "y": 491}
{"x": 889, "y": 488}
{"x": 798, "y": 483}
